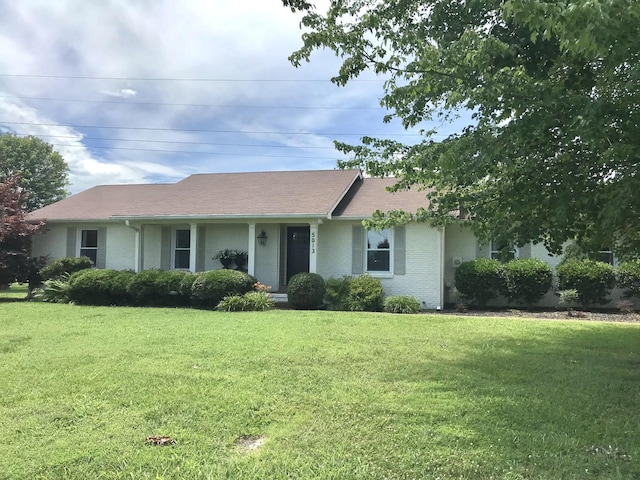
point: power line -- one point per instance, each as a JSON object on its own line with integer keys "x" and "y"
{"x": 202, "y": 105}
{"x": 202, "y": 130}
{"x": 191, "y": 152}
{"x": 174, "y": 142}
{"x": 165, "y": 79}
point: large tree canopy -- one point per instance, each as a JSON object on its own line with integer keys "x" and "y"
{"x": 43, "y": 172}
{"x": 554, "y": 87}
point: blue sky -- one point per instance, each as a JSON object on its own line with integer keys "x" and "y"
{"x": 178, "y": 87}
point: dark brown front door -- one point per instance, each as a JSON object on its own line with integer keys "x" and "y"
{"x": 297, "y": 250}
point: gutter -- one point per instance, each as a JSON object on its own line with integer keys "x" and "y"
{"x": 268, "y": 216}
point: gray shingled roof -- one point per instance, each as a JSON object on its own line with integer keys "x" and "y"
{"x": 299, "y": 193}
{"x": 370, "y": 194}
{"x": 318, "y": 193}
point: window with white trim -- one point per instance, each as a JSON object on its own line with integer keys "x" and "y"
{"x": 89, "y": 244}
{"x": 502, "y": 251}
{"x": 378, "y": 251}
{"x": 182, "y": 249}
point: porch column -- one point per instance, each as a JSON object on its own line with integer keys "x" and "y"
{"x": 251, "y": 262}
{"x": 137, "y": 245}
{"x": 193, "y": 246}
{"x": 313, "y": 248}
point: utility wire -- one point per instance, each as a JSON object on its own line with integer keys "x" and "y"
{"x": 164, "y": 79}
{"x": 202, "y": 105}
{"x": 195, "y": 153}
{"x": 174, "y": 142}
{"x": 202, "y": 130}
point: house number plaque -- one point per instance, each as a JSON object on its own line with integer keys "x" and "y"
{"x": 313, "y": 242}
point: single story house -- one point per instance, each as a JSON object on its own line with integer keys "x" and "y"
{"x": 288, "y": 222}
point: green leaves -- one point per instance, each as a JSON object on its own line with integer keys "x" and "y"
{"x": 554, "y": 86}
{"x": 43, "y": 173}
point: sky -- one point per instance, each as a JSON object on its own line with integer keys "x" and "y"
{"x": 151, "y": 91}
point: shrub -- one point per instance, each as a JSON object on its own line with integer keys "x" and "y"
{"x": 159, "y": 288}
{"x": 480, "y": 280}
{"x": 305, "y": 291}
{"x": 366, "y": 294}
{"x": 144, "y": 288}
{"x": 100, "y": 287}
{"x": 54, "y": 290}
{"x": 591, "y": 279}
{"x": 69, "y": 265}
{"x": 401, "y": 304}
{"x": 568, "y": 298}
{"x": 185, "y": 289}
{"x": 210, "y": 287}
{"x": 170, "y": 286}
{"x": 232, "y": 303}
{"x": 34, "y": 278}
{"x": 249, "y": 302}
{"x": 629, "y": 278}
{"x": 119, "y": 286}
{"x": 527, "y": 280}
{"x": 337, "y": 293}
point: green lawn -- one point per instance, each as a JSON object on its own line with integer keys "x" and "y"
{"x": 333, "y": 395}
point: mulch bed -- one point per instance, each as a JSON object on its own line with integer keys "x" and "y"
{"x": 596, "y": 316}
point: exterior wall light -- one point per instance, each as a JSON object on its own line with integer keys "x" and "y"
{"x": 262, "y": 238}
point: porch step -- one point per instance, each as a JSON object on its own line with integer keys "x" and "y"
{"x": 279, "y": 297}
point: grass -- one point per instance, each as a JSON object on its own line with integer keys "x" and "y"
{"x": 332, "y": 395}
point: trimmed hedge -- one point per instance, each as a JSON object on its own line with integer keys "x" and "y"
{"x": 305, "y": 291}
{"x": 629, "y": 278}
{"x": 480, "y": 280}
{"x": 100, "y": 287}
{"x": 526, "y": 280}
{"x": 69, "y": 265}
{"x": 401, "y": 304}
{"x": 158, "y": 288}
{"x": 366, "y": 294}
{"x": 591, "y": 279}
{"x": 209, "y": 288}
{"x": 336, "y": 295}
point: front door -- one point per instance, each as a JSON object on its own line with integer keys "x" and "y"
{"x": 297, "y": 250}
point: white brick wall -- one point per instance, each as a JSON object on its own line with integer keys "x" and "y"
{"x": 268, "y": 257}
{"x": 121, "y": 246}
{"x": 423, "y": 260}
{"x": 460, "y": 242}
{"x": 223, "y": 236}
{"x": 51, "y": 243}
{"x": 152, "y": 237}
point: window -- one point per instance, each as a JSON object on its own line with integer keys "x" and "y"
{"x": 379, "y": 251}
{"x": 182, "y": 250}
{"x": 606, "y": 256}
{"x": 89, "y": 244}
{"x": 502, "y": 251}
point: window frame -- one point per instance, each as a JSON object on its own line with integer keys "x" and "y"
{"x": 175, "y": 249}
{"x": 389, "y": 250}
{"x": 607, "y": 252}
{"x": 86, "y": 250}
{"x": 496, "y": 254}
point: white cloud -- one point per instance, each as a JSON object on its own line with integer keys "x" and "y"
{"x": 127, "y": 47}
{"x": 122, "y": 93}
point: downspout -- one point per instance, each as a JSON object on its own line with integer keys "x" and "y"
{"x": 138, "y": 245}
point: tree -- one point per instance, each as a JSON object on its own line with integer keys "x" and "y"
{"x": 43, "y": 173}
{"x": 554, "y": 87}
{"x": 15, "y": 234}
